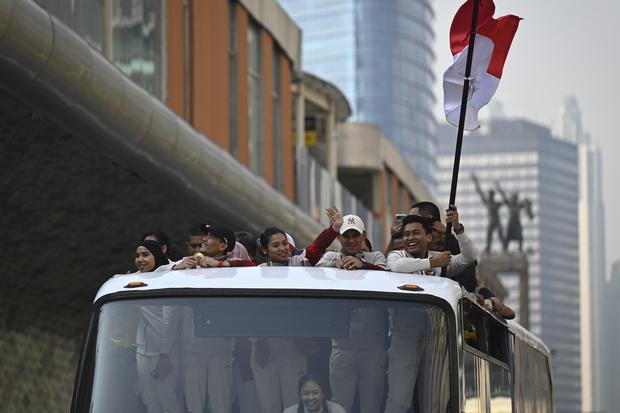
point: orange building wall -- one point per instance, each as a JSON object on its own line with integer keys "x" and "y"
{"x": 209, "y": 91}
{"x": 288, "y": 149}
{"x": 176, "y": 70}
{"x": 267, "y": 74}
{"x": 210, "y": 69}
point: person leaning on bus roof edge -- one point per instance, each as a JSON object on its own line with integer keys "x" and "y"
{"x": 156, "y": 361}
{"x": 416, "y": 258}
{"x": 352, "y": 255}
{"x": 276, "y": 244}
{"x": 487, "y": 298}
{"x": 430, "y": 211}
{"x": 218, "y": 241}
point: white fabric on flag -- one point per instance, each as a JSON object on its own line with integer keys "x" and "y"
{"x": 493, "y": 40}
{"x": 482, "y": 84}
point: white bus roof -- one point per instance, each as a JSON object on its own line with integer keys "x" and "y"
{"x": 298, "y": 278}
{"x": 285, "y": 278}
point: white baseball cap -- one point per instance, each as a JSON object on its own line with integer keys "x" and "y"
{"x": 290, "y": 240}
{"x": 352, "y": 222}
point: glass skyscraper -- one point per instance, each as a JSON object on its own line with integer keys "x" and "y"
{"x": 379, "y": 53}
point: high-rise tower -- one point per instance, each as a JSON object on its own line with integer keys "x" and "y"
{"x": 379, "y": 53}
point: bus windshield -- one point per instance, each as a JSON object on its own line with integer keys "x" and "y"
{"x": 269, "y": 355}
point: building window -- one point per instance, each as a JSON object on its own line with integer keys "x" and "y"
{"x": 278, "y": 182}
{"x": 85, "y": 17}
{"x": 233, "y": 138}
{"x": 137, "y": 32}
{"x": 255, "y": 137}
{"x": 132, "y": 38}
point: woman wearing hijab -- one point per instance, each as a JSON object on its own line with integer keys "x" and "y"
{"x": 156, "y": 341}
{"x": 149, "y": 256}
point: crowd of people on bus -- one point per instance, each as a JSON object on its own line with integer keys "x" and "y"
{"x": 358, "y": 364}
{"x": 417, "y": 246}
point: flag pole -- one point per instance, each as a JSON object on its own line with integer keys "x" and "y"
{"x": 461, "y": 129}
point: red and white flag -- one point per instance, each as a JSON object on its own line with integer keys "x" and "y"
{"x": 493, "y": 40}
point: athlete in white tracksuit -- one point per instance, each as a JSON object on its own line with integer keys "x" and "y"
{"x": 408, "y": 326}
{"x": 358, "y": 361}
{"x": 277, "y": 362}
{"x": 157, "y": 345}
{"x": 207, "y": 368}
{"x": 277, "y": 366}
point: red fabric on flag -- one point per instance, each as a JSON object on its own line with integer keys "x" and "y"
{"x": 501, "y": 31}
{"x": 493, "y": 40}
{"x": 461, "y": 25}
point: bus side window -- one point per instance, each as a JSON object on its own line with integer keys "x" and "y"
{"x": 484, "y": 332}
{"x": 474, "y": 329}
{"x": 498, "y": 341}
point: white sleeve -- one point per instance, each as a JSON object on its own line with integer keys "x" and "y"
{"x": 172, "y": 323}
{"x": 167, "y": 267}
{"x": 328, "y": 259}
{"x": 299, "y": 260}
{"x": 398, "y": 262}
{"x": 333, "y": 407}
{"x": 465, "y": 258}
{"x": 377, "y": 258}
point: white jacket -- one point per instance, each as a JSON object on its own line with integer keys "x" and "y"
{"x": 330, "y": 257}
{"x": 299, "y": 260}
{"x": 158, "y": 329}
{"x": 402, "y": 261}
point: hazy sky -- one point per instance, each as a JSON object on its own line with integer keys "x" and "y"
{"x": 562, "y": 47}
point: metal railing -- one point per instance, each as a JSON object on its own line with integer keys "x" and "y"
{"x": 317, "y": 190}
